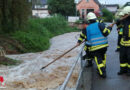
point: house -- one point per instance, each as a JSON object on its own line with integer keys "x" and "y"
{"x": 111, "y": 7}
{"x": 127, "y": 4}
{"x": 40, "y": 8}
{"x": 86, "y": 6}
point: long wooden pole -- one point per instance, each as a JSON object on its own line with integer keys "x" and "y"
{"x": 121, "y": 19}
{"x": 59, "y": 57}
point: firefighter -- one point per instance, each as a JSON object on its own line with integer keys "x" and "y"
{"x": 98, "y": 15}
{"x": 119, "y": 30}
{"x": 88, "y": 55}
{"x": 96, "y": 41}
{"x": 125, "y": 43}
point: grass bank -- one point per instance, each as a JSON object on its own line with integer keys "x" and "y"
{"x": 35, "y": 37}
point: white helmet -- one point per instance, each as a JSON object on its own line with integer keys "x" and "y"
{"x": 126, "y": 10}
{"x": 121, "y": 14}
{"x": 117, "y": 15}
{"x": 91, "y": 16}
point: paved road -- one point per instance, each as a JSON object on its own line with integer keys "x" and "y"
{"x": 91, "y": 81}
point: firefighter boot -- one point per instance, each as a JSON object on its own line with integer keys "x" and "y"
{"x": 128, "y": 73}
{"x": 103, "y": 75}
{"x": 89, "y": 64}
{"x": 122, "y": 71}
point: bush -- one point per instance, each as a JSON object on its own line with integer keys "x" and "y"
{"x": 36, "y": 36}
{"x": 107, "y": 15}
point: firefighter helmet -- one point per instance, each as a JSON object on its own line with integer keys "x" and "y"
{"x": 121, "y": 14}
{"x": 126, "y": 10}
{"x": 91, "y": 16}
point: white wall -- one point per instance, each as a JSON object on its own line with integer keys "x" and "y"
{"x": 112, "y": 9}
{"x": 72, "y": 19}
{"x": 40, "y": 13}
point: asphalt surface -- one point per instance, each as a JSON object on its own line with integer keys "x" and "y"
{"x": 90, "y": 80}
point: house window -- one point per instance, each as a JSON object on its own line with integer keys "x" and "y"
{"x": 87, "y": 0}
{"x": 83, "y": 13}
{"x": 89, "y": 10}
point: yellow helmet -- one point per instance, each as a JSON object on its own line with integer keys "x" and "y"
{"x": 91, "y": 16}
{"x": 126, "y": 10}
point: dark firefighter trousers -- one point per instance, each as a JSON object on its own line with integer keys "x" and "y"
{"x": 125, "y": 58}
{"x": 100, "y": 59}
{"x": 119, "y": 40}
{"x": 89, "y": 56}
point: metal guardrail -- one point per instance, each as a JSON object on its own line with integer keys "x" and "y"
{"x": 63, "y": 86}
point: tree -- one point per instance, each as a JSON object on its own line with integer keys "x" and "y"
{"x": 19, "y": 12}
{"x": 63, "y": 7}
{"x": 13, "y": 14}
{"x": 108, "y": 16}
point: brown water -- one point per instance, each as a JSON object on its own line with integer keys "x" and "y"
{"x": 27, "y": 76}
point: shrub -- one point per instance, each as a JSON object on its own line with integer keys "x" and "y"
{"x": 36, "y": 36}
{"x": 107, "y": 15}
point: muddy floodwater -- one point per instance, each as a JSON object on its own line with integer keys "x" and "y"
{"x": 27, "y": 76}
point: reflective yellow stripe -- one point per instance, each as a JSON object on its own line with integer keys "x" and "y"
{"x": 89, "y": 59}
{"x": 85, "y": 48}
{"x": 101, "y": 21}
{"x": 128, "y": 66}
{"x": 101, "y": 65}
{"x": 109, "y": 31}
{"x": 97, "y": 20}
{"x": 106, "y": 30}
{"x": 118, "y": 46}
{"x": 100, "y": 71}
{"x": 93, "y": 48}
{"x": 82, "y": 35}
{"x": 124, "y": 65}
{"x": 80, "y": 39}
{"x": 129, "y": 30}
{"x": 125, "y": 43}
{"x": 120, "y": 33}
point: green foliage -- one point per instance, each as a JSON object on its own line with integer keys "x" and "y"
{"x": 63, "y": 7}
{"x": 107, "y": 15}
{"x": 9, "y": 62}
{"x": 36, "y": 36}
{"x": 14, "y": 15}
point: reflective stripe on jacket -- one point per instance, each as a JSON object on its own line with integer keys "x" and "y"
{"x": 121, "y": 31}
{"x": 125, "y": 43}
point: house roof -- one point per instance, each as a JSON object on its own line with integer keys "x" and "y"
{"x": 111, "y": 5}
{"x": 127, "y": 4}
{"x": 96, "y": 1}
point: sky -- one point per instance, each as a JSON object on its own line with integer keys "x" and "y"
{"x": 121, "y": 2}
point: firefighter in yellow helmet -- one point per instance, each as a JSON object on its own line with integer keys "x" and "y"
{"x": 125, "y": 43}
{"x": 119, "y": 29}
{"x": 96, "y": 41}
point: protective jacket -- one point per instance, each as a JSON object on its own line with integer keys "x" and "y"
{"x": 125, "y": 40}
{"x": 104, "y": 32}
{"x": 94, "y": 35}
